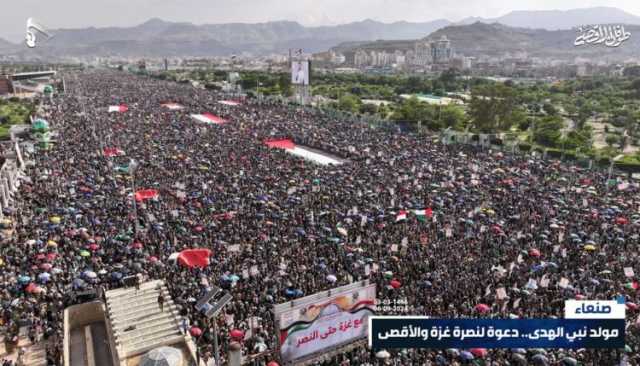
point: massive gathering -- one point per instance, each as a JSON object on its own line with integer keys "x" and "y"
{"x": 452, "y": 231}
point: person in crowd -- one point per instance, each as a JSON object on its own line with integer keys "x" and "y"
{"x": 280, "y": 227}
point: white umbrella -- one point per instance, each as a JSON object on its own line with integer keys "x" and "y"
{"x": 174, "y": 256}
{"x": 163, "y": 356}
{"x": 331, "y": 278}
{"x": 383, "y": 354}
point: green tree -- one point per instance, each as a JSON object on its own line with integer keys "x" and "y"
{"x": 546, "y": 131}
{"x": 349, "y": 103}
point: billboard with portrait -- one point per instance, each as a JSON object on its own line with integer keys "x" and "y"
{"x": 325, "y": 321}
{"x": 300, "y": 72}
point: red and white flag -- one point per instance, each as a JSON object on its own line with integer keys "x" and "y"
{"x": 172, "y": 106}
{"x": 118, "y": 108}
{"x": 113, "y": 151}
{"x": 231, "y": 103}
{"x": 208, "y": 118}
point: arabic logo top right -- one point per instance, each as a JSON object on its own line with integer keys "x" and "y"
{"x": 608, "y": 35}
{"x": 594, "y": 309}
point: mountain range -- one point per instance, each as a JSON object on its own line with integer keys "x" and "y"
{"x": 559, "y": 19}
{"x": 481, "y": 39}
{"x": 159, "y": 38}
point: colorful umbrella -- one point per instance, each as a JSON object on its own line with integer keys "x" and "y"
{"x": 195, "y": 331}
{"x": 482, "y": 308}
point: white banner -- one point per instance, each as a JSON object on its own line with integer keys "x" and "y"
{"x": 324, "y": 323}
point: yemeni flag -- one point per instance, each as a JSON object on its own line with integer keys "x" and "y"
{"x": 118, "y": 108}
{"x": 422, "y": 215}
{"x": 208, "y": 118}
{"x": 402, "y": 215}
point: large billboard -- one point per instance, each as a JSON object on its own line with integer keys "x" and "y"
{"x": 300, "y": 72}
{"x": 324, "y": 321}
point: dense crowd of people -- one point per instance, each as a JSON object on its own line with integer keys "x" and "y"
{"x": 271, "y": 219}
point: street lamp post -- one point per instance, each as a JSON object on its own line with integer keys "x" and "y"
{"x": 133, "y": 165}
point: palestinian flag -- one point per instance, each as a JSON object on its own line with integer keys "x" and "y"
{"x": 402, "y": 215}
{"x": 208, "y": 118}
{"x": 118, "y": 108}
{"x": 632, "y": 285}
{"x": 422, "y": 215}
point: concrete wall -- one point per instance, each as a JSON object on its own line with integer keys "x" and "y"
{"x": 78, "y": 316}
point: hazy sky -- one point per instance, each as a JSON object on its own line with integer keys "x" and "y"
{"x": 100, "y": 13}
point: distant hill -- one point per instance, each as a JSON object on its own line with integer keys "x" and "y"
{"x": 158, "y": 38}
{"x": 559, "y": 19}
{"x": 4, "y": 44}
{"x": 480, "y": 39}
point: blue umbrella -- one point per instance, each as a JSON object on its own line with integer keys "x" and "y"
{"x": 78, "y": 283}
{"x": 289, "y": 292}
{"x": 116, "y": 275}
{"x": 298, "y": 293}
{"x": 24, "y": 279}
{"x": 466, "y": 355}
{"x": 300, "y": 231}
{"x": 234, "y": 278}
{"x": 44, "y": 277}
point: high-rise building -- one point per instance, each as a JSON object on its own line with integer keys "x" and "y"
{"x": 441, "y": 51}
{"x": 422, "y": 54}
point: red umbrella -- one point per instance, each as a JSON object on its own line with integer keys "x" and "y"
{"x": 198, "y": 229}
{"x": 51, "y": 256}
{"x": 395, "y": 284}
{"x": 195, "y": 331}
{"x": 136, "y": 245}
{"x": 93, "y": 247}
{"x": 33, "y": 288}
{"x": 580, "y": 297}
{"x": 237, "y": 334}
{"x": 45, "y": 266}
{"x": 153, "y": 259}
{"x": 273, "y": 363}
{"x": 482, "y": 308}
{"x": 622, "y": 221}
{"x": 534, "y": 253}
{"x": 479, "y": 352}
{"x": 40, "y": 256}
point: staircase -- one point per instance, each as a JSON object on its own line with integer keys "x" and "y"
{"x": 35, "y": 354}
{"x": 137, "y": 323}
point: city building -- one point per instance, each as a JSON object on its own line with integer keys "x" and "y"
{"x": 441, "y": 51}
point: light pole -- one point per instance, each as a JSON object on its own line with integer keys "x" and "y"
{"x": 133, "y": 165}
